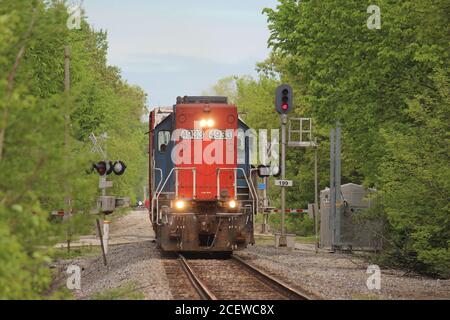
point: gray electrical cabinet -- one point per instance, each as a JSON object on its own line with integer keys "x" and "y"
{"x": 356, "y": 230}
{"x": 106, "y": 204}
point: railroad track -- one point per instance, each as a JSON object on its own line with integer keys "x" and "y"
{"x": 235, "y": 279}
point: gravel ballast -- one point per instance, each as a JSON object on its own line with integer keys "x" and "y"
{"x": 340, "y": 276}
{"x": 136, "y": 262}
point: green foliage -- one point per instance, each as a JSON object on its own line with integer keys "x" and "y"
{"x": 299, "y": 224}
{"x": 84, "y": 251}
{"x": 128, "y": 291}
{"x": 39, "y": 163}
{"x": 389, "y": 90}
{"x": 416, "y": 181}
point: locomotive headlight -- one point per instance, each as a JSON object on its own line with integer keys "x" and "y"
{"x": 207, "y": 123}
{"x": 179, "y": 204}
{"x": 232, "y": 204}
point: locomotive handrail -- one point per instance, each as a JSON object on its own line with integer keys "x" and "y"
{"x": 250, "y": 185}
{"x": 159, "y": 184}
{"x": 158, "y": 193}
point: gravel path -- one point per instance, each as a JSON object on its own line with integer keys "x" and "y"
{"x": 138, "y": 263}
{"x": 340, "y": 276}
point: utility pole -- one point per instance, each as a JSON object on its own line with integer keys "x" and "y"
{"x": 284, "y": 103}
{"x": 104, "y": 181}
{"x": 335, "y": 186}
{"x": 332, "y": 184}
{"x": 337, "y": 172}
{"x": 316, "y": 196}
{"x": 67, "y": 197}
{"x": 102, "y": 185}
{"x": 283, "y": 241}
{"x": 265, "y": 226}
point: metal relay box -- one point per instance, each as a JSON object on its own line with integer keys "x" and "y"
{"x": 106, "y": 204}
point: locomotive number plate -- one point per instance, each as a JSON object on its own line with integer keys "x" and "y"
{"x": 192, "y": 134}
{"x": 214, "y": 134}
{"x": 217, "y": 134}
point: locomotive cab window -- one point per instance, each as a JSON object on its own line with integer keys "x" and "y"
{"x": 163, "y": 140}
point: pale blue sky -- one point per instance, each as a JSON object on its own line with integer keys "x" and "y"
{"x": 181, "y": 47}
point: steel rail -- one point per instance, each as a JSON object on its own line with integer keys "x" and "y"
{"x": 198, "y": 284}
{"x": 278, "y": 285}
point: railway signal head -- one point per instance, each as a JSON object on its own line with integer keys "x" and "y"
{"x": 101, "y": 168}
{"x": 118, "y": 167}
{"x": 284, "y": 102}
{"x": 104, "y": 168}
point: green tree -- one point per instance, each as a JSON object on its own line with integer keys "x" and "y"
{"x": 37, "y": 169}
{"x": 385, "y": 87}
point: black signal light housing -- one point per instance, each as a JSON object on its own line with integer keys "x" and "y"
{"x": 284, "y": 102}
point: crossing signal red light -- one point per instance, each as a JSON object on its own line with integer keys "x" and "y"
{"x": 108, "y": 167}
{"x": 101, "y": 168}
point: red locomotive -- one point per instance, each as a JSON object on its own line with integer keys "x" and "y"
{"x": 202, "y": 194}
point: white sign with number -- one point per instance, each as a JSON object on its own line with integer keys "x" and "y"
{"x": 284, "y": 183}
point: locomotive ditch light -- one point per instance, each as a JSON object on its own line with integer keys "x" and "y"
{"x": 232, "y": 204}
{"x": 180, "y": 204}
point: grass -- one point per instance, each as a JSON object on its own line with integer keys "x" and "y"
{"x": 129, "y": 291}
{"x": 61, "y": 293}
{"x": 76, "y": 252}
{"x": 265, "y": 240}
{"x": 306, "y": 240}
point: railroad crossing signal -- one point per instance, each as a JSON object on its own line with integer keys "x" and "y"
{"x": 107, "y": 167}
{"x": 284, "y": 102}
{"x": 101, "y": 168}
{"x": 118, "y": 167}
